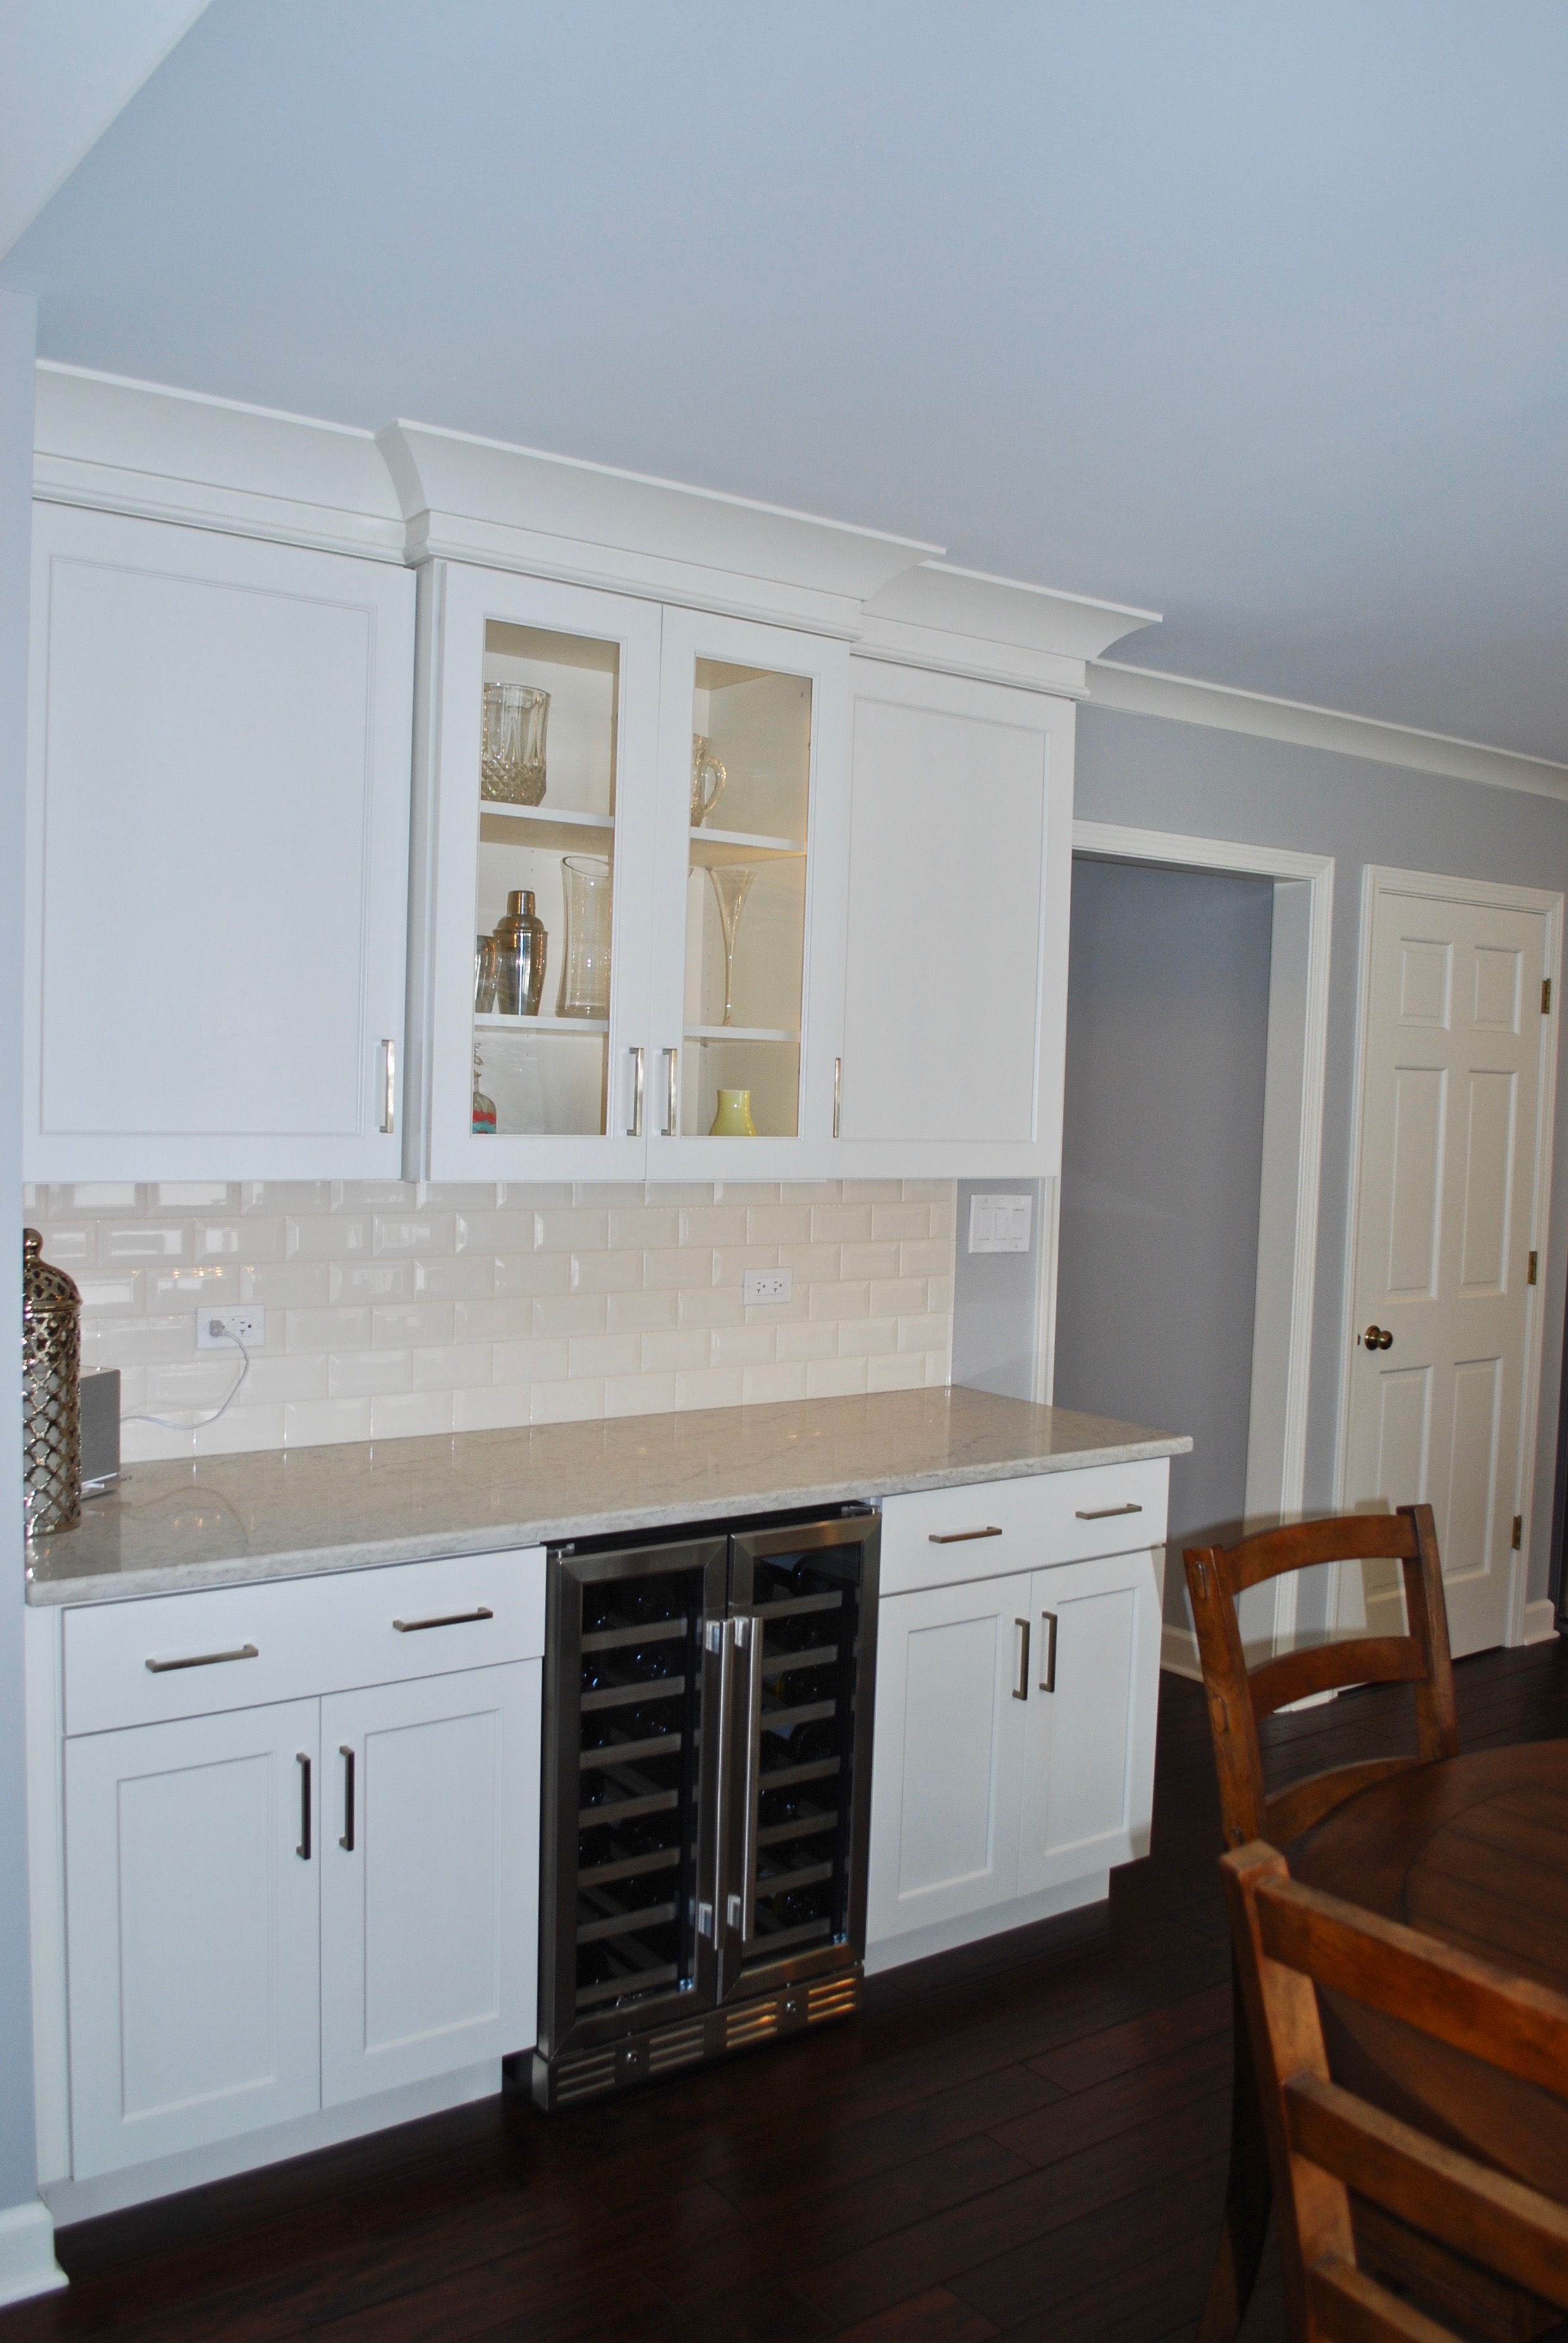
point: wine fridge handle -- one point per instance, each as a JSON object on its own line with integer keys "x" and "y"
{"x": 748, "y": 1636}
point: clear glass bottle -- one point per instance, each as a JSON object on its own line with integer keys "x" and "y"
{"x": 521, "y": 946}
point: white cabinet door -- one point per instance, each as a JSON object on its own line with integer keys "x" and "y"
{"x": 748, "y": 918}
{"x": 429, "y": 1917}
{"x": 959, "y": 870}
{"x": 948, "y": 1758}
{"x": 561, "y": 1077}
{"x": 192, "y": 1936}
{"x": 1090, "y": 1718}
{"x": 217, "y": 854}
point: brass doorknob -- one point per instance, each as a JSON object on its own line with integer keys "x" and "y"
{"x": 1378, "y": 1338}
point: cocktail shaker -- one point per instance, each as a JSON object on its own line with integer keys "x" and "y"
{"x": 521, "y": 945}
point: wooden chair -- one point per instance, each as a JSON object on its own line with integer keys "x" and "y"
{"x": 1324, "y": 2141}
{"x": 1238, "y": 1699}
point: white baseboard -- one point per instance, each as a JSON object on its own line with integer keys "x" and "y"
{"x": 1179, "y": 1652}
{"x": 27, "y": 2264}
{"x": 193, "y": 2167}
{"x": 1540, "y": 1621}
{"x": 946, "y": 1936}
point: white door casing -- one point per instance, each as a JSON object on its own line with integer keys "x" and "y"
{"x": 1452, "y": 1159}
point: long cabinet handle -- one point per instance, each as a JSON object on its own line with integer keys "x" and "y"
{"x": 303, "y": 1849}
{"x": 672, "y": 1092}
{"x": 452, "y": 1619}
{"x": 958, "y": 1537}
{"x": 1048, "y": 1674}
{"x": 838, "y": 1091}
{"x": 635, "y": 1128}
{"x": 203, "y": 1660}
{"x": 389, "y": 1087}
{"x": 1021, "y": 1689}
{"x": 741, "y": 1910}
{"x": 1107, "y": 1513}
{"x": 346, "y": 1841}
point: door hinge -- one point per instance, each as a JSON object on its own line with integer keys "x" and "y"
{"x": 1530, "y": 1273}
{"x": 1546, "y": 995}
{"x": 1518, "y": 1539}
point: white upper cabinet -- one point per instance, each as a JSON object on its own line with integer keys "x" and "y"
{"x": 218, "y": 855}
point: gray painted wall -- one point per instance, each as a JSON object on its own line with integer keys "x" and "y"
{"x": 18, "y": 2165}
{"x": 1162, "y": 1138}
{"x": 1163, "y": 775}
{"x": 996, "y": 1297}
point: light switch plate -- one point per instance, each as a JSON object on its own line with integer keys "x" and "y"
{"x": 1000, "y": 1223}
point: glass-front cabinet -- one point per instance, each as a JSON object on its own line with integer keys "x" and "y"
{"x": 616, "y": 871}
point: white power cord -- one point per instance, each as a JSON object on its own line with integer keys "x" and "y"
{"x": 201, "y": 1422}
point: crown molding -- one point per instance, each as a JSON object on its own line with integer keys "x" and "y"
{"x": 1146, "y": 691}
{"x": 482, "y": 500}
{"x": 119, "y": 446}
{"x": 1000, "y": 630}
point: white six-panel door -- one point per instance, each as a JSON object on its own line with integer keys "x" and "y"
{"x": 1450, "y": 1174}
{"x": 192, "y": 1868}
{"x": 429, "y": 1876}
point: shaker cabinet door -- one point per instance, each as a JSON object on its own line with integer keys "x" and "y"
{"x": 429, "y": 1876}
{"x": 1089, "y": 1719}
{"x": 192, "y": 1858}
{"x": 218, "y": 853}
{"x": 959, "y": 870}
{"x": 948, "y": 1756}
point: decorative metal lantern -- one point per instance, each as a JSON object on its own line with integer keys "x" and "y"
{"x": 51, "y": 1395}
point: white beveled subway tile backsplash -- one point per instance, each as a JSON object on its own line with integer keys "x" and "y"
{"x": 394, "y": 1308}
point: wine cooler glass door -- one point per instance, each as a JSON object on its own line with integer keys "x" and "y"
{"x": 801, "y": 1677}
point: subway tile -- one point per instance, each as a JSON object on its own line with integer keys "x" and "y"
{"x": 778, "y": 1225}
{"x": 535, "y": 1195}
{"x": 901, "y": 1220}
{"x": 677, "y": 1353}
{"x": 123, "y": 1294}
{"x": 714, "y": 1225}
{"x": 141, "y": 1341}
{"x": 641, "y": 1313}
{"x": 500, "y": 1231}
{"x": 811, "y": 1191}
{"x": 143, "y": 1241}
{"x": 326, "y": 1236}
{"x": 902, "y": 1373}
{"x": 718, "y": 1305}
{"x": 834, "y": 1378}
{"x": 569, "y": 1402}
{"x": 641, "y": 1231}
{"x": 944, "y": 1219}
{"x": 874, "y": 1260}
{"x": 682, "y": 1268}
{"x": 71, "y": 1246}
{"x": 286, "y": 1196}
{"x": 501, "y": 1407}
{"x": 572, "y": 1231}
{"x": 709, "y": 1387}
{"x": 843, "y": 1301}
{"x": 189, "y": 1289}
{"x": 929, "y": 1191}
{"x": 808, "y": 1339}
{"x": 570, "y": 1313}
{"x": 412, "y": 1415}
{"x": 783, "y": 1379}
{"x": 730, "y": 1262}
{"x": 288, "y": 1284}
{"x": 609, "y": 1195}
{"x": 531, "y": 1362}
{"x": 415, "y": 1232}
{"x": 265, "y": 1238}
{"x": 938, "y": 1367}
{"x": 461, "y": 1277}
{"x": 97, "y": 1196}
{"x": 454, "y": 1196}
{"x": 327, "y": 1330}
{"x": 900, "y": 1297}
{"x": 639, "y": 1394}
{"x": 373, "y": 1196}
{"x": 844, "y": 1224}
{"x": 751, "y": 1345}
{"x": 668, "y": 1195}
{"x": 873, "y": 1191}
{"x": 350, "y": 1373}
{"x": 355, "y": 1282}
{"x": 924, "y": 1334}
{"x": 925, "y": 1257}
{"x": 196, "y": 1384}
{"x": 240, "y": 1429}
{"x": 152, "y": 1444}
{"x": 452, "y": 1366}
{"x": 532, "y": 1272}
{"x": 278, "y": 1376}
{"x": 316, "y": 1422}
{"x": 606, "y": 1272}
{"x": 862, "y": 1338}
{"x": 939, "y": 1296}
{"x": 401, "y": 1325}
{"x": 604, "y": 1354}
{"x": 510, "y": 1320}
{"x": 192, "y": 1196}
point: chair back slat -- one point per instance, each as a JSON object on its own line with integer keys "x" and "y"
{"x": 1239, "y": 1697}
{"x": 1325, "y": 2140}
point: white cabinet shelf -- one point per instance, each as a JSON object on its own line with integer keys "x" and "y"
{"x": 742, "y": 1033}
{"x": 542, "y": 1023}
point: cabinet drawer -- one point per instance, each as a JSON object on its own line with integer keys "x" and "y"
{"x": 236, "y": 1647}
{"x": 940, "y": 1537}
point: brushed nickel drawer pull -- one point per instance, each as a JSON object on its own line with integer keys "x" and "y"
{"x": 958, "y": 1537}
{"x": 1021, "y": 1689}
{"x": 1106, "y": 1513}
{"x": 452, "y": 1619}
{"x": 203, "y": 1660}
{"x": 1048, "y": 1676}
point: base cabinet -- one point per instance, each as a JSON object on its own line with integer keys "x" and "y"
{"x": 275, "y": 1909}
{"x": 1015, "y": 1739}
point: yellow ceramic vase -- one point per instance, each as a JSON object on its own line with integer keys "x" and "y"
{"x": 733, "y": 1120}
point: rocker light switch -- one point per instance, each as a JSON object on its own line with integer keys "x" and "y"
{"x": 1000, "y": 1223}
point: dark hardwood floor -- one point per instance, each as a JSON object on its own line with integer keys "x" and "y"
{"x": 1025, "y": 2139}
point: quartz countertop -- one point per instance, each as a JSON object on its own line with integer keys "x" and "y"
{"x": 168, "y": 1528}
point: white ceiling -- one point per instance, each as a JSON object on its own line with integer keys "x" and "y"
{"x": 1256, "y": 314}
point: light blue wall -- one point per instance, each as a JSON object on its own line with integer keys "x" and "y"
{"x": 996, "y": 1299}
{"x": 1163, "y": 1143}
{"x": 18, "y": 2168}
{"x": 1162, "y": 775}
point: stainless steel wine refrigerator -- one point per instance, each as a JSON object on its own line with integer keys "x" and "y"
{"x": 707, "y": 1776}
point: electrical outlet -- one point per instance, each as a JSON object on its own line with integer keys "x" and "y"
{"x": 767, "y": 1285}
{"x": 219, "y": 1330}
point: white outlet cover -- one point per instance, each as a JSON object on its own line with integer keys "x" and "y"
{"x": 1000, "y": 1223}
{"x": 246, "y": 1319}
{"x": 767, "y": 1285}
